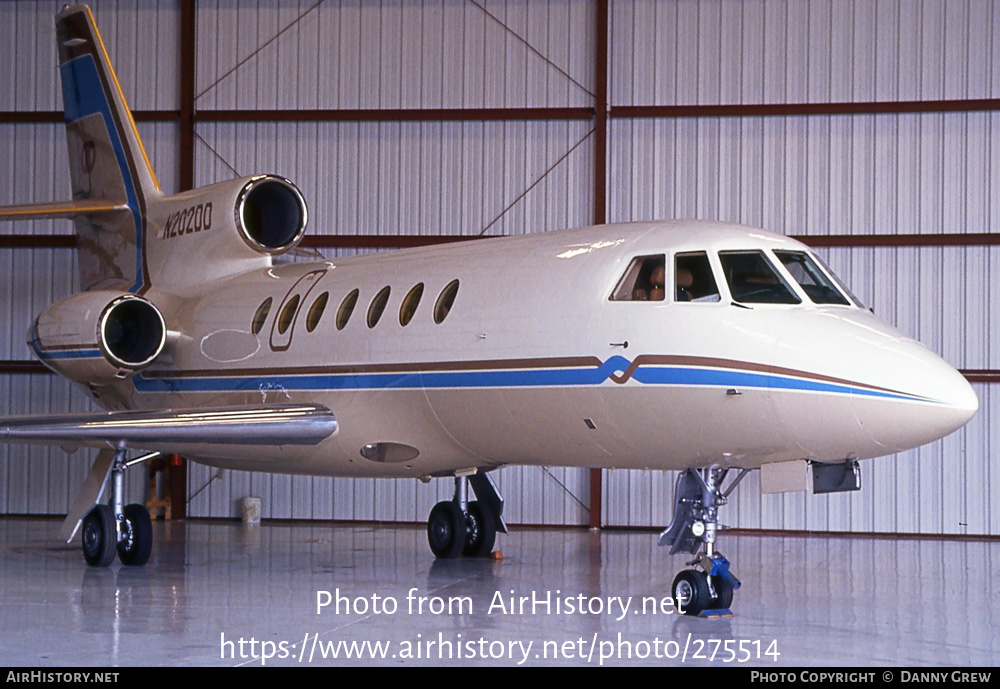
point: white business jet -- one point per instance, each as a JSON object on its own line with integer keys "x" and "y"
{"x": 704, "y": 347}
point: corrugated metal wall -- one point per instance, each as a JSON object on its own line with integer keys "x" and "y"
{"x": 274, "y": 54}
{"x": 141, "y": 37}
{"x": 830, "y": 174}
{"x": 799, "y": 174}
{"x": 388, "y": 178}
{"x": 797, "y": 51}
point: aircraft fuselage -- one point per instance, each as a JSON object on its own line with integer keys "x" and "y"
{"x": 534, "y": 363}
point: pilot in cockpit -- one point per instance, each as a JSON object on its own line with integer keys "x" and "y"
{"x": 683, "y": 282}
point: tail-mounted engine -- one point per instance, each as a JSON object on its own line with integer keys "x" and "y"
{"x": 270, "y": 214}
{"x": 264, "y": 212}
{"x": 223, "y": 229}
{"x": 99, "y": 337}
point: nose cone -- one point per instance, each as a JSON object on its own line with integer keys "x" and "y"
{"x": 931, "y": 399}
{"x": 961, "y": 397}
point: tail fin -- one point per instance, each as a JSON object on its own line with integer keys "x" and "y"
{"x": 107, "y": 160}
{"x": 112, "y": 179}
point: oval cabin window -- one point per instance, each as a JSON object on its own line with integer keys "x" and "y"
{"x": 445, "y": 300}
{"x": 288, "y": 314}
{"x": 346, "y": 308}
{"x": 410, "y": 302}
{"x": 377, "y": 306}
{"x": 260, "y": 316}
{"x": 316, "y": 311}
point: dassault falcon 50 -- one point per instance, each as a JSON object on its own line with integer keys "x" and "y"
{"x": 709, "y": 348}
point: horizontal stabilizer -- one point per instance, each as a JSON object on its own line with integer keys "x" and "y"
{"x": 61, "y": 209}
{"x": 274, "y": 425}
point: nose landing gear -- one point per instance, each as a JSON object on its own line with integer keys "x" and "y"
{"x": 460, "y": 527}
{"x": 697, "y": 498}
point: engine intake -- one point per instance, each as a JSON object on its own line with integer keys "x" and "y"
{"x": 271, "y": 214}
{"x": 132, "y": 332}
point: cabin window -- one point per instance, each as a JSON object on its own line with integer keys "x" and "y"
{"x": 811, "y": 278}
{"x": 693, "y": 279}
{"x": 316, "y": 311}
{"x": 346, "y": 309}
{"x": 288, "y": 314}
{"x": 377, "y": 306}
{"x": 753, "y": 280}
{"x": 445, "y": 300}
{"x": 410, "y": 301}
{"x": 645, "y": 280}
{"x": 260, "y": 315}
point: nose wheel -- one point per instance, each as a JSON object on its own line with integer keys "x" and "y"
{"x": 459, "y": 527}
{"x": 697, "y": 498}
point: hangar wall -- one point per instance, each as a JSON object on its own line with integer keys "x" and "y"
{"x": 869, "y": 173}
{"x": 841, "y": 173}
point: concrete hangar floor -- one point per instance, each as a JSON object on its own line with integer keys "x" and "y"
{"x": 209, "y": 585}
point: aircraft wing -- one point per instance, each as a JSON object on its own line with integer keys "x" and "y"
{"x": 274, "y": 425}
{"x": 277, "y": 424}
{"x": 63, "y": 209}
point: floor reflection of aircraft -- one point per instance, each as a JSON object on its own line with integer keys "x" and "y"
{"x": 704, "y": 347}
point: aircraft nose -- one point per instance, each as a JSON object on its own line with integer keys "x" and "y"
{"x": 956, "y": 396}
{"x": 936, "y": 400}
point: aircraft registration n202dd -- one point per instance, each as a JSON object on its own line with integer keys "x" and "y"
{"x": 704, "y": 347}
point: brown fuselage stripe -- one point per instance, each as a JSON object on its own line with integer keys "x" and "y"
{"x": 30, "y": 366}
{"x": 516, "y": 364}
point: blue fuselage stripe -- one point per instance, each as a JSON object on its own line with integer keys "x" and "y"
{"x": 68, "y": 354}
{"x": 523, "y": 378}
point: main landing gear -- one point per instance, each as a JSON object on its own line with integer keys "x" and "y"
{"x": 125, "y": 529}
{"x": 460, "y": 527}
{"x": 697, "y": 497}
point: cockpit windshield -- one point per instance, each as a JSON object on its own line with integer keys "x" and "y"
{"x": 753, "y": 280}
{"x": 840, "y": 283}
{"x": 754, "y": 276}
{"x": 814, "y": 282}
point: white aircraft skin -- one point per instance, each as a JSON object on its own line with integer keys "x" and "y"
{"x": 537, "y": 361}
{"x": 531, "y": 348}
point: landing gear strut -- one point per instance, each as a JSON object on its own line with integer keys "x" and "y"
{"x": 698, "y": 496}
{"x": 126, "y": 529}
{"x": 469, "y": 528}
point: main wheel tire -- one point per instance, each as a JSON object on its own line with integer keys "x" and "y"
{"x": 137, "y": 536}
{"x": 446, "y": 530}
{"x": 99, "y": 536}
{"x": 480, "y": 530}
{"x": 690, "y": 591}
{"x": 723, "y": 594}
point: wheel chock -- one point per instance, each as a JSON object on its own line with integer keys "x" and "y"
{"x": 716, "y": 614}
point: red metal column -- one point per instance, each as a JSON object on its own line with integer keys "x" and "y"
{"x": 600, "y": 191}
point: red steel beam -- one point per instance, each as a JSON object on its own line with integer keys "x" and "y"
{"x": 779, "y": 109}
{"x": 404, "y": 241}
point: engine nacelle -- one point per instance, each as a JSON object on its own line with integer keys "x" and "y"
{"x": 99, "y": 337}
{"x": 266, "y": 212}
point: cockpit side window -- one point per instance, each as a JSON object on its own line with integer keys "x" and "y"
{"x": 836, "y": 279}
{"x": 811, "y": 278}
{"x": 753, "y": 280}
{"x": 645, "y": 280}
{"x": 693, "y": 279}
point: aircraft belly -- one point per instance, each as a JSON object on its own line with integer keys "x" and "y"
{"x": 402, "y": 417}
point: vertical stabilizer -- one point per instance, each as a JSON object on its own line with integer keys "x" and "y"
{"x": 106, "y": 157}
